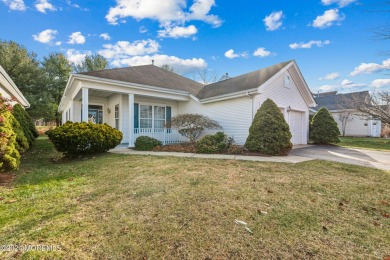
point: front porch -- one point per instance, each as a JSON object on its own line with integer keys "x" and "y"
{"x": 133, "y": 114}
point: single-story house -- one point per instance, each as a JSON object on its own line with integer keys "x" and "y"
{"x": 140, "y": 100}
{"x": 349, "y": 120}
{"x": 8, "y": 89}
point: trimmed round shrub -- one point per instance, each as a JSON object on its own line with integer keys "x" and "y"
{"x": 269, "y": 132}
{"x": 146, "y": 143}
{"x": 323, "y": 128}
{"x": 74, "y": 139}
{"x": 9, "y": 155}
{"x": 216, "y": 143}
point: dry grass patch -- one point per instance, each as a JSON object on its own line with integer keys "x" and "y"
{"x": 133, "y": 207}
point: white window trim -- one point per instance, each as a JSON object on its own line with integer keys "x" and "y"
{"x": 153, "y": 105}
{"x": 287, "y": 75}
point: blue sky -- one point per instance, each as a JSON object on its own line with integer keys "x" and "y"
{"x": 331, "y": 40}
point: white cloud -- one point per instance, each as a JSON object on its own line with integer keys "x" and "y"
{"x": 45, "y": 36}
{"x": 230, "y": 54}
{"x": 143, "y": 29}
{"x": 75, "y": 56}
{"x": 105, "y": 36}
{"x": 368, "y": 68}
{"x": 76, "y": 38}
{"x": 183, "y": 66}
{"x": 330, "y": 76}
{"x": 199, "y": 11}
{"x": 349, "y": 84}
{"x": 340, "y": 3}
{"x": 378, "y": 83}
{"x": 327, "y": 87}
{"x": 165, "y": 12}
{"x": 43, "y": 5}
{"x": 328, "y": 19}
{"x": 308, "y": 45}
{"x": 17, "y": 5}
{"x": 273, "y": 21}
{"x": 177, "y": 32}
{"x": 124, "y": 49}
{"x": 68, "y": 2}
{"x": 261, "y": 52}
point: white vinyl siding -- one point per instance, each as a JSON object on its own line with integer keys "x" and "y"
{"x": 234, "y": 115}
{"x": 298, "y": 115}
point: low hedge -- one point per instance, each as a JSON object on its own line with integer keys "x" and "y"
{"x": 216, "y": 143}
{"x": 74, "y": 139}
{"x": 146, "y": 143}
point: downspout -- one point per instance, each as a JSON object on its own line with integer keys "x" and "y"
{"x": 251, "y": 97}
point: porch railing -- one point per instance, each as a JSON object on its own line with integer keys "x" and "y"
{"x": 165, "y": 135}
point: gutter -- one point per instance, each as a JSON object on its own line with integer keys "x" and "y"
{"x": 14, "y": 87}
{"x": 244, "y": 93}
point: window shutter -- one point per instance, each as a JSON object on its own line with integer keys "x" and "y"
{"x": 168, "y": 117}
{"x": 136, "y": 113}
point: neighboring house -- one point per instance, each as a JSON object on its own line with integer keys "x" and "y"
{"x": 8, "y": 89}
{"x": 349, "y": 120}
{"x": 141, "y": 100}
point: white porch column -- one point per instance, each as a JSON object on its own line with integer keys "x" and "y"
{"x": 131, "y": 120}
{"x": 84, "y": 104}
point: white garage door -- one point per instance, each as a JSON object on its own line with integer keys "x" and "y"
{"x": 296, "y": 127}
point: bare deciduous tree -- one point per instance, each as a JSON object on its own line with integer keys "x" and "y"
{"x": 344, "y": 117}
{"x": 192, "y": 125}
{"x": 376, "y": 105}
{"x": 206, "y": 76}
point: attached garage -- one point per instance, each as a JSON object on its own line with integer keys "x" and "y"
{"x": 296, "y": 123}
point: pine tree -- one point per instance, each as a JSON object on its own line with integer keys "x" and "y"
{"x": 269, "y": 132}
{"x": 324, "y": 128}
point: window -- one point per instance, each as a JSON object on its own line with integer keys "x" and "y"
{"x": 117, "y": 117}
{"x": 146, "y": 116}
{"x": 287, "y": 81}
{"x": 151, "y": 116}
{"x": 159, "y": 117}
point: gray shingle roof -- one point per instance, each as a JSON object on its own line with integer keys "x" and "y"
{"x": 243, "y": 82}
{"x": 155, "y": 76}
{"x": 337, "y": 101}
{"x": 149, "y": 75}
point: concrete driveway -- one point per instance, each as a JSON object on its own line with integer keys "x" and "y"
{"x": 369, "y": 158}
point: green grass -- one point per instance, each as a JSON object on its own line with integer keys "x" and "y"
{"x": 366, "y": 143}
{"x": 132, "y": 207}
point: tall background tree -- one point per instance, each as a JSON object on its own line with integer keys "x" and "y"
{"x": 56, "y": 73}
{"x": 91, "y": 63}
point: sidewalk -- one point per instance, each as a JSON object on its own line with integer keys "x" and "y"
{"x": 283, "y": 159}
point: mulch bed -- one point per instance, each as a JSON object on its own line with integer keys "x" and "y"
{"x": 178, "y": 148}
{"x": 190, "y": 148}
{"x": 6, "y": 178}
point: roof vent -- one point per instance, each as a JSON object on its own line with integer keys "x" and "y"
{"x": 152, "y": 62}
{"x": 224, "y": 77}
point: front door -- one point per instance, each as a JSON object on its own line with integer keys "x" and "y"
{"x": 95, "y": 114}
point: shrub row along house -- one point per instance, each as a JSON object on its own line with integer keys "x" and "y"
{"x": 17, "y": 131}
{"x": 141, "y": 100}
{"x": 343, "y": 109}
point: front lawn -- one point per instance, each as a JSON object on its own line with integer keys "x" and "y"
{"x": 148, "y": 207}
{"x": 366, "y": 143}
